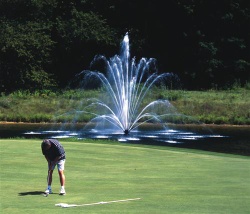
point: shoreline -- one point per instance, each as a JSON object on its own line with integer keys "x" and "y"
{"x": 237, "y": 144}
{"x": 170, "y": 124}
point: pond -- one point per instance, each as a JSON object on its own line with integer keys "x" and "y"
{"x": 223, "y": 139}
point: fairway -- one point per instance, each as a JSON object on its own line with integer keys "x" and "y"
{"x": 165, "y": 179}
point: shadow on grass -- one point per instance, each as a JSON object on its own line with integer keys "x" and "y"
{"x": 30, "y": 193}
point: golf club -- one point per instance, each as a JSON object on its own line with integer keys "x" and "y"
{"x": 49, "y": 173}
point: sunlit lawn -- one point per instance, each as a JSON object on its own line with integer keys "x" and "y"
{"x": 167, "y": 180}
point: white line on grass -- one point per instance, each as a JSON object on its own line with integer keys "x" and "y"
{"x": 63, "y": 205}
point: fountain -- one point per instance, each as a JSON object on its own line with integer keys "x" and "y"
{"x": 127, "y": 83}
{"x": 123, "y": 111}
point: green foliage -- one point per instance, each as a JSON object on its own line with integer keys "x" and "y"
{"x": 31, "y": 43}
{"x": 83, "y": 27}
{"x": 25, "y": 51}
{"x": 247, "y": 86}
{"x": 43, "y": 44}
{"x": 5, "y": 103}
{"x": 218, "y": 107}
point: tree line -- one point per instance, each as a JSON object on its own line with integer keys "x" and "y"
{"x": 45, "y": 43}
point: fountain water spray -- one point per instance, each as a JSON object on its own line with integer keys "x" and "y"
{"x": 123, "y": 107}
{"x": 127, "y": 83}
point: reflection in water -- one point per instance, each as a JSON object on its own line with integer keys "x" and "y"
{"x": 226, "y": 139}
{"x": 168, "y": 136}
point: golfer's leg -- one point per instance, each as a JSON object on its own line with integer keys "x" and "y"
{"x": 60, "y": 167}
{"x": 49, "y": 178}
{"x": 62, "y": 181}
{"x": 62, "y": 177}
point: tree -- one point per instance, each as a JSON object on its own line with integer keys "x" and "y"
{"x": 25, "y": 56}
{"x": 44, "y": 43}
{"x": 214, "y": 38}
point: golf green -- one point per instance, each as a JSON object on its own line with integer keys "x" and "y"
{"x": 162, "y": 179}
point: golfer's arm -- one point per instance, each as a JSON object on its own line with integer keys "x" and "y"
{"x": 46, "y": 158}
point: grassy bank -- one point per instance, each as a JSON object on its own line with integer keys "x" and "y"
{"x": 210, "y": 107}
{"x": 167, "y": 180}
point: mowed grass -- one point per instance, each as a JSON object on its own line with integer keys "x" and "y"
{"x": 168, "y": 180}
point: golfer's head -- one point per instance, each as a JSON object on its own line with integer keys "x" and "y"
{"x": 46, "y": 145}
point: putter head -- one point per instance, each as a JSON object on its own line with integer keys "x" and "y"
{"x": 45, "y": 194}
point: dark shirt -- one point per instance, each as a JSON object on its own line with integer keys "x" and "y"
{"x": 55, "y": 150}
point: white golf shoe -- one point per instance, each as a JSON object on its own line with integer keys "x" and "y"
{"x": 62, "y": 191}
{"x": 48, "y": 191}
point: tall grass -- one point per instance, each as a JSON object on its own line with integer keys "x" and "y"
{"x": 212, "y": 107}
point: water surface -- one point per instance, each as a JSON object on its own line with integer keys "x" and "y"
{"x": 224, "y": 139}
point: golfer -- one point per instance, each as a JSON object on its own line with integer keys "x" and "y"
{"x": 54, "y": 153}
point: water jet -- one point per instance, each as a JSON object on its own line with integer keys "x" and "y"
{"x": 126, "y": 83}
